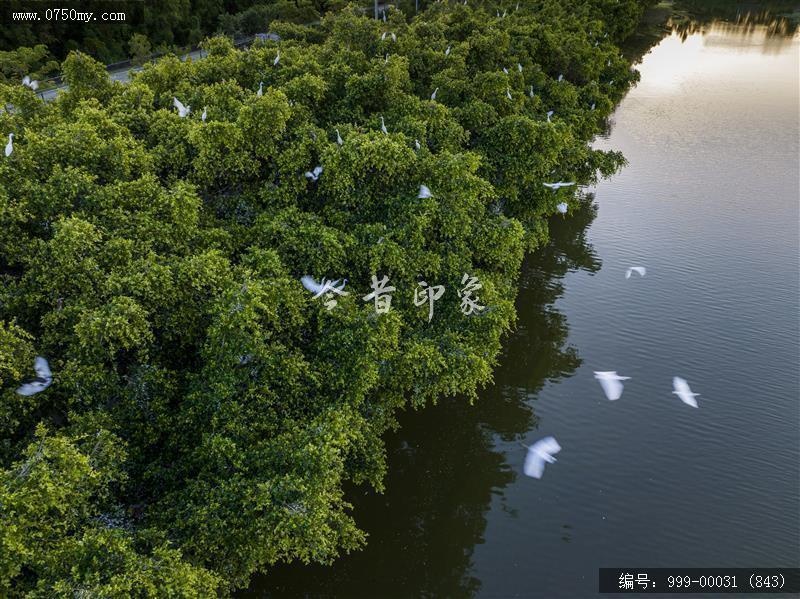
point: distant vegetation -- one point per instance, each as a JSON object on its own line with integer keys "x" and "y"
{"x": 206, "y": 412}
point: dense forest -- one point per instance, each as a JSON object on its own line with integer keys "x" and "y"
{"x": 206, "y": 411}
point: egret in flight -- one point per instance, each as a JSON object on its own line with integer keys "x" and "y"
{"x": 611, "y": 383}
{"x": 540, "y": 452}
{"x": 42, "y": 381}
{"x": 559, "y": 185}
{"x": 641, "y": 270}
{"x": 183, "y": 111}
{"x": 682, "y": 390}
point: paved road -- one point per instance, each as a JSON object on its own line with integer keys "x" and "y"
{"x": 124, "y": 75}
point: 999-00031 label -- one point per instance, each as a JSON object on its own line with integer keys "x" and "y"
{"x": 699, "y": 580}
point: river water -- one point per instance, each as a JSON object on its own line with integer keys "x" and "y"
{"x": 709, "y": 203}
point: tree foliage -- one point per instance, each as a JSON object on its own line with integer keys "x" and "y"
{"x": 205, "y": 411}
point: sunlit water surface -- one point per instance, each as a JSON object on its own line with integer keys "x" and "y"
{"x": 709, "y": 204}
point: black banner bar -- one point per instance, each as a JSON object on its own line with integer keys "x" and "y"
{"x": 699, "y": 580}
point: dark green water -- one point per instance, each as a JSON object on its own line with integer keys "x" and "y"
{"x": 709, "y": 203}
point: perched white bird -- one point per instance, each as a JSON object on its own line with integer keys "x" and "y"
{"x": 182, "y": 110}
{"x": 559, "y": 185}
{"x": 540, "y": 452}
{"x": 417, "y": 144}
{"x": 317, "y": 288}
{"x": 635, "y": 269}
{"x": 28, "y": 82}
{"x": 339, "y": 139}
{"x": 505, "y": 70}
{"x": 42, "y": 381}
{"x": 530, "y": 93}
{"x": 611, "y": 383}
{"x": 608, "y": 64}
{"x": 204, "y": 115}
{"x": 562, "y": 207}
{"x": 314, "y": 175}
{"x": 549, "y": 114}
{"x": 592, "y": 106}
{"x": 10, "y": 144}
{"x": 433, "y": 95}
{"x": 561, "y": 77}
{"x": 519, "y": 67}
{"x": 384, "y": 16}
{"x": 447, "y": 52}
{"x": 682, "y": 390}
{"x": 383, "y": 127}
{"x": 277, "y": 59}
{"x": 260, "y": 91}
{"x": 424, "y": 192}
{"x": 508, "y": 94}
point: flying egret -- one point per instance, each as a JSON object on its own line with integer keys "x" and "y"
{"x": 562, "y": 207}
{"x": 424, "y": 192}
{"x": 559, "y": 185}
{"x": 318, "y": 288}
{"x": 682, "y": 390}
{"x": 42, "y": 381}
{"x": 260, "y": 91}
{"x": 10, "y": 144}
{"x": 540, "y": 452}
{"x": 383, "y": 127}
{"x": 611, "y": 383}
{"x": 433, "y": 95}
{"x": 549, "y": 114}
{"x": 31, "y": 83}
{"x": 641, "y": 270}
{"x": 182, "y": 110}
{"x": 314, "y": 175}
{"x": 339, "y": 139}
{"x": 204, "y": 115}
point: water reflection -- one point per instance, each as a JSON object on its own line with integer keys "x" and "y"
{"x": 445, "y": 465}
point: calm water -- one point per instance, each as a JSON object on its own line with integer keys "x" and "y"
{"x": 709, "y": 204}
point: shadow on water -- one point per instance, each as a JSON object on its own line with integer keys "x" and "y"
{"x": 444, "y": 468}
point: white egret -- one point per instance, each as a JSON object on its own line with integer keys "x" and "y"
{"x": 530, "y": 93}
{"x": 383, "y": 127}
{"x": 592, "y": 106}
{"x": 318, "y": 288}
{"x": 508, "y": 94}
{"x": 433, "y": 95}
{"x": 641, "y": 270}
{"x": 540, "y": 452}
{"x": 549, "y": 114}
{"x": 42, "y": 381}
{"x": 561, "y": 77}
{"x": 10, "y": 144}
{"x": 682, "y": 390}
{"x": 204, "y": 115}
{"x": 314, "y": 175}
{"x": 611, "y": 383}
{"x": 562, "y": 207}
{"x": 277, "y": 58}
{"x": 260, "y": 91}
{"x": 31, "y": 83}
{"x": 519, "y": 67}
{"x": 505, "y": 70}
{"x": 559, "y": 185}
{"x": 447, "y": 52}
{"x": 339, "y": 139}
{"x": 424, "y": 192}
{"x": 183, "y": 111}
{"x": 417, "y": 144}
